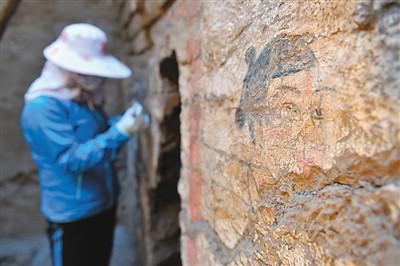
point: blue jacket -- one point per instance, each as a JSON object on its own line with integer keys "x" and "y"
{"x": 73, "y": 148}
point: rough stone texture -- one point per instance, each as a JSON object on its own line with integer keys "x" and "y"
{"x": 289, "y": 129}
{"x": 7, "y": 10}
{"x": 19, "y": 202}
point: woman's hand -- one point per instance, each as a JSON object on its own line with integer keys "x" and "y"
{"x": 133, "y": 120}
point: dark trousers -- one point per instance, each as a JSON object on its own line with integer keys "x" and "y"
{"x": 87, "y": 242}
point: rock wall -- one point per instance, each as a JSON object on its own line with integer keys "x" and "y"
{"x": 289, "y": 130}
{"x": 7, "y": 10}
{"x": 157, "y": 164}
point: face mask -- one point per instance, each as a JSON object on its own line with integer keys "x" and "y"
{"x": 89, "y": 83}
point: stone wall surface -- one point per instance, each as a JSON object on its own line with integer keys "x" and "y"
{"x": 7, "y": 10}
{"x": 290, "y": 130}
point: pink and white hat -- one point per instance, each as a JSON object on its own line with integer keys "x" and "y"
{"x": 82, "y": 48}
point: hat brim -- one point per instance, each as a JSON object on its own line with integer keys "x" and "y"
{"x": 106, "y": 66}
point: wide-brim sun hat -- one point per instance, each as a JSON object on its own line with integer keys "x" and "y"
{"x": 82, "y": 48}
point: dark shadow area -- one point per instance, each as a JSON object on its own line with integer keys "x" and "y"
{"x": 169, "y": 69}
{"x": 165, "y": 206}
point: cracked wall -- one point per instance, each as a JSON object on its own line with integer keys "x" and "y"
{"x": 289, "y": 127}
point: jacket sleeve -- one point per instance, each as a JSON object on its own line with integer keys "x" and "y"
{"x": 113, "y": 120}
{"x": 49, "y": 127}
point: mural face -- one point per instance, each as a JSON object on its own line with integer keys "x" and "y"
{"x": 284, "y": 56}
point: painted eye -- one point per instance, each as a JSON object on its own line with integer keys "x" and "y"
{"x": 290, "y": 111}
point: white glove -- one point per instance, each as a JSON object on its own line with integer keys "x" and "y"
{"x": 133, "y": 120}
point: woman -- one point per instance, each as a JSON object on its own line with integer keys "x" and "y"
{"x": 73, "y": 144}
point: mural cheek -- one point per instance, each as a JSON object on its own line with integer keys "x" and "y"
{"x": 326, "y": 112}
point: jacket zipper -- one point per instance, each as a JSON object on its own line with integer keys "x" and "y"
{"x": 78, "y": 192}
